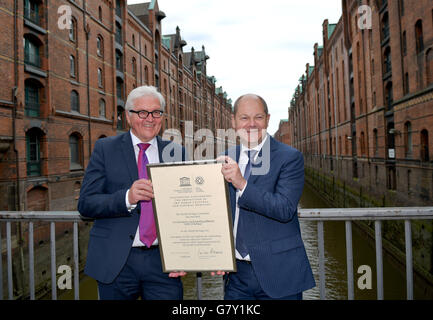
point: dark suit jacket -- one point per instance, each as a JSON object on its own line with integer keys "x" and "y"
{"x": 269, "y": 206}
{"x": 111, "y": 172}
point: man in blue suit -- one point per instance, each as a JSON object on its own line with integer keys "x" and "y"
{"x": 123, "y": 257}
{"x": 265, "y": 183}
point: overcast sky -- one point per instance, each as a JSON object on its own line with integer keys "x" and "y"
{"x": 254, "y": 46}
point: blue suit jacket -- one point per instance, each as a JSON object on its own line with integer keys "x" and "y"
{"x": 110, "y": 173}
{"x": 269, "y": 206}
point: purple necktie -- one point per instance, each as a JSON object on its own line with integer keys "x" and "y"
{"x": 147, "y": 228}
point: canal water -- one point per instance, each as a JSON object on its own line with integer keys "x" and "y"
{"x": 335, "y": 265}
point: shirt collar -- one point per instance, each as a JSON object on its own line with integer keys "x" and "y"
{"x": 136, "y": 140}
{"x": 256, "y": 148}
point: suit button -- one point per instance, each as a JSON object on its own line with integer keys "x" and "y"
{"x": 131, "y": 237}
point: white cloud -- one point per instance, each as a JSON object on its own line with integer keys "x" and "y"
{"x": 254, "y": 46}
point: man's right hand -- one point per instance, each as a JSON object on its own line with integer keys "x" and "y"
{"x": 141, "y": 190}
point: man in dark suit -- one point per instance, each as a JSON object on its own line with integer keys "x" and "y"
{"x": 123, "y": 254}
{"x": 265, "y": 183}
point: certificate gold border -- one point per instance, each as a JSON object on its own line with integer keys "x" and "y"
{"x": 228, "y": 212}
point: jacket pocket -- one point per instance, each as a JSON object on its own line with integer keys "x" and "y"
{"x": 99, "y": 232}
{"x": 286, "y": 244}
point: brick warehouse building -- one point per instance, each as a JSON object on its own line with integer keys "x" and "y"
{"x": 362, "y": 115}
{"x": 65, "y": 88}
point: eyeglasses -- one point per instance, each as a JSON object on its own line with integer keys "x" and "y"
{"x": 143, "y": 114}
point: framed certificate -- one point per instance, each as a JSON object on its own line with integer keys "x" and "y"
{"x": 193, "y": 216}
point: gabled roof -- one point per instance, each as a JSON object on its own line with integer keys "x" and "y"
{"x": 166, "y": 41}
{"x": 331, "y": 29}
{"x": 141, "y": 11}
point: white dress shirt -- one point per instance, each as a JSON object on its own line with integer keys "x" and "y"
{"x": 243, "y": 161}
{"x": 153, "y": 157}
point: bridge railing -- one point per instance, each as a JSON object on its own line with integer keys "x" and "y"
{"x": 319, "y": 215}
{"x": 407, "y": 214}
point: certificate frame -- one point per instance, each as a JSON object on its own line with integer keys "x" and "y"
{"x": 185, "y": 241}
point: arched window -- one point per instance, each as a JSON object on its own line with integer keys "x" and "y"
{"x": 119, "y": 61}
{"x": 408, "y": 139}
{"x": 419, "y": 36}
{"x": 100, "y": 46}
{"x": 75, "y": 151}
{"x": 134, "y": 68}
{"x": 33, "y": 152}
{"x": 146, "y": 75}
{"x": 102, "y": 110}
{"x": 424, "y": 146}
{"x": 100, "y": 78}
{"x": 75, "y": 101}
{"x": 72, "y": 66}
{"x": 121, "y": 121}
{"x": 73, "y": 30}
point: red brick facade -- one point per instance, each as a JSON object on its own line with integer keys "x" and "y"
{"x": 363, "y": 112}
{"x": 64, "y": 89}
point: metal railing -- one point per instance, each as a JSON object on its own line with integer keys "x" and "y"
{"x": 372, "y": 214}
{"x": 319, "y": 215}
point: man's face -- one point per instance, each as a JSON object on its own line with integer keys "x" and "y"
{"x": 250, "y": 121}
{"x": 145, "y": 129}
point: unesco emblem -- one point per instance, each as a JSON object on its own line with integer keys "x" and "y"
{"x": 184, "y": 182}
{"x": 199, "y": 180}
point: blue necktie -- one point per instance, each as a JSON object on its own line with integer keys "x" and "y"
{"x": 241, "y": 232}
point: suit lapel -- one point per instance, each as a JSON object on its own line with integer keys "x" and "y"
{"x": 129, "y": 156}
{"x": 253, "y": 178}
{"x": 161, "y": 145}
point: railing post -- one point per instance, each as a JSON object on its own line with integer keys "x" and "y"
{"x": 9, "y": 254}
{"x": 379, "y": 261}
{"x": 1, "y": 265}
{"x": 321, "y": 246}
{"x": 31, "y": 263}
{"x": 199, "y": 287}
{"x": 53, "y": 261}
{"x": 349, "y": 257}
{"x": 76, "y": 264}
{"x": 409, "y": 269}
